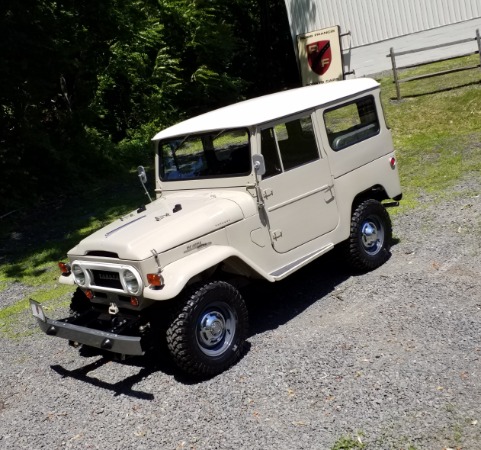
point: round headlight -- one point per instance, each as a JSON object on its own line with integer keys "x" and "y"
{"x": 131, "y": 282}
{"x": 78, "y": 274}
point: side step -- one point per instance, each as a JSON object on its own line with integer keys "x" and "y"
{"x": 286, "y": 270}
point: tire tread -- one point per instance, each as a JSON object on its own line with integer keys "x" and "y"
{"x": 356, "y": 256}
{"x": 178, "y": 333}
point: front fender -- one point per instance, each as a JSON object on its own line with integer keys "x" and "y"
{"x": 177, "y": 274}
{"x": 66, "y": 279}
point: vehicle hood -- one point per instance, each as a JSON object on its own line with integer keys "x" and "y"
{"x": 166, "y": 223}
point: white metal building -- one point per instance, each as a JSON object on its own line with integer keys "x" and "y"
{"x": 382, "y": 23}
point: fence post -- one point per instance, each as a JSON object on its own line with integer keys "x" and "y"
{"x": 478, "y": 39}
{"x": 394, "y": 71}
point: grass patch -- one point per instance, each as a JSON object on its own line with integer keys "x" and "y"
{"x": 349, "y": 443}
{"x": 435, "y": 129}
{"x": 50, "y": 297}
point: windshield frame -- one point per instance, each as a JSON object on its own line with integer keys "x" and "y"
{"x": 215, "y": 154}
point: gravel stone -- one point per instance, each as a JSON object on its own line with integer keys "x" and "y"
{"x": 392, "y": 357}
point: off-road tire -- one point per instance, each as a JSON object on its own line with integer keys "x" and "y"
{"x": 370, "y": 236}
{"x": 79, "y": 302}
{"x": 208, "y": 331}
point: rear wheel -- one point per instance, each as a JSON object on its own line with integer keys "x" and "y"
{"x": 207, "y": 333}
{"x": 370, "y": 238}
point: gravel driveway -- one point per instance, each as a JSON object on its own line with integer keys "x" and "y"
{"x": 391, "y": 359}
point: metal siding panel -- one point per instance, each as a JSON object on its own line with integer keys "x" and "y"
{"x": 428, "y": 14}
{"x": 395, "y": 15}
{"x": 338, "y": 17}
{"x": 375, "y": 9}
{"x": 351, "y": 24}
{"x": 407, "y": 12}
{"x": 475, "y": 6}
{"x": 376, "y": 20}
{"x": 450, "y": 13}
{"x": 421, "y": 24}
{"x": 458, "y": 16}
{"x": 420, "y": 11}
{"x": 359, "y": 17}
{"x": 389, "y": 20}
{"x": 378, "y": 11}
{"x": 399, "y": 15}
{"x": 371, "y": 31}
{"x": 444, "y": 12}
{"x": 382, "y": 16}
{"x": 348, "y": 22}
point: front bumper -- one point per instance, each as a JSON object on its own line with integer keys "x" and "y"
{"x": 81, "y": 334}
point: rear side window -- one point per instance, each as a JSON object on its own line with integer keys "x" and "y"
{"x": 293, "y": 143}
{"x": 351, "y": 123}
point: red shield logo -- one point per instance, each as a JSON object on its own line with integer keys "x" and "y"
{"x": 319, "y": 56}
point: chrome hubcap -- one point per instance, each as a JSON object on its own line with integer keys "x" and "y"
{"x": 212, "y": 328}
{"x": 216, "y": 329}
{"x": 372, "y": 236}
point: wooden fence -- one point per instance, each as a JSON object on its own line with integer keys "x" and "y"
{"x": 395, "y": 69}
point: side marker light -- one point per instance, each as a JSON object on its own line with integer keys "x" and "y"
{"x": 64, "y": 268}
{"x": 155, "y": 279}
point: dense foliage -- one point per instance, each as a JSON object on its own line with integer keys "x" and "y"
{"x": 84, "y": 85}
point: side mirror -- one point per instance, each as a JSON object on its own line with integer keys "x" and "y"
{"x": 259, "y": 164}
{"x": 143, "y": 180}
{"x": 142, "y": 174}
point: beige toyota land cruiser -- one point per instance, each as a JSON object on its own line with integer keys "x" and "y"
{"x": 253, "y": 190}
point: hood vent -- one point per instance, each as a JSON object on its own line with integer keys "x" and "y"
{"x": 102, "y": 254}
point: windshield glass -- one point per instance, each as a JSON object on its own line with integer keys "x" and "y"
{"x": 215, "y": 154}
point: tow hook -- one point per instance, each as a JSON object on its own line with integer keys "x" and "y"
{"x": 113, "y": 309}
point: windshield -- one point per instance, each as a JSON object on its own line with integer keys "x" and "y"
{"x": 215, "y": 154}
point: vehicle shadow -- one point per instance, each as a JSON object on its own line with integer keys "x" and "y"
{"x": 272, "y": 305}
{"x": 146, "y": 365}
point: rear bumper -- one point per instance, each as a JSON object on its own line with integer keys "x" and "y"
{"x": 66, "y": 329}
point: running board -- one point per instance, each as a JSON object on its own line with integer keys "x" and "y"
{"x": 286, "y": 270}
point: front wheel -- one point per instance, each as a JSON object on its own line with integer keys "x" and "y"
{"x": 370, "y": 237}
{"x": 208, "y": 331}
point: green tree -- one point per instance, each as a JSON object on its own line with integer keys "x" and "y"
{"x": 84, "y": 85}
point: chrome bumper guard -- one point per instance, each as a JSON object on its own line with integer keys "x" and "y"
{"x": 116, "y": 343}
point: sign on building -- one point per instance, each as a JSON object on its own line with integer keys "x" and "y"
{"x": 320, "y": 56}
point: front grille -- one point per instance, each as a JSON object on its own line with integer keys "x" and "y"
{"x": 104, "y": 278}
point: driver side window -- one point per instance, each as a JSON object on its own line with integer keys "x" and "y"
{"x": 288, "y": 145}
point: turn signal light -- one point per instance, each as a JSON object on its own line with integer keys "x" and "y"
{"x": 134, "y": 301}
{"x": 89, "y": 294}
{"x": 64, "y": 268}
{"x": 392, "y": 162}
{"x": 155, "y": 279}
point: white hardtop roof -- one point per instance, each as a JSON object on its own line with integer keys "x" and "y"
{"x": 269, "y": 107}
